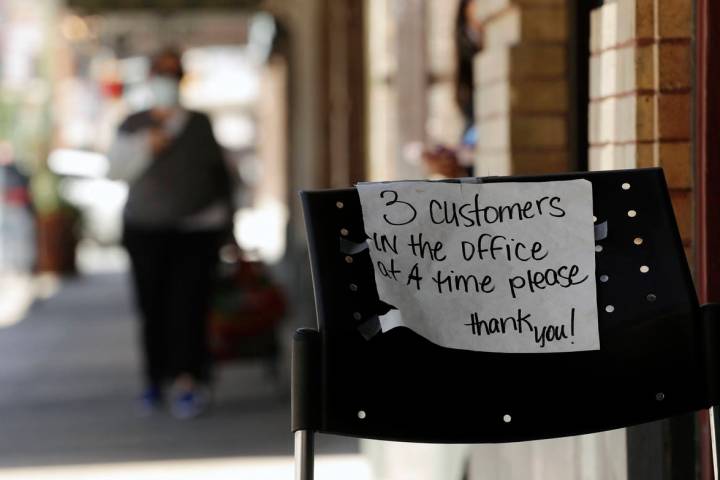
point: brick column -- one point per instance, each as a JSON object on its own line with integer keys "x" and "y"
{"x": 640, "y": 93}
{"x": 521, "y": 85}
{"x": 640, "y": 104}
{"x": 444, "y": 122}
{"x": 673, "y": 107}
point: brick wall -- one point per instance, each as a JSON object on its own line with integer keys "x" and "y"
{"x": 444, "y": 121}
{"x": 640, "y": 94}
{"x": 411, "y": 84}
{"x": 521, "y": 88}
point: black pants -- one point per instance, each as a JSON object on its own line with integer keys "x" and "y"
{"x": 173, "y": 273}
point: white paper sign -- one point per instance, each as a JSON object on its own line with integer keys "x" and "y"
{"x": 499, "y": 267}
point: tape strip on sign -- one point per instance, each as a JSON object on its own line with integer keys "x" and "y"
{"x": 601, "y": 231}
{"x": 370, "y": 327}
{"x": 498, "y": 267}
{"x": 352, "y": 248}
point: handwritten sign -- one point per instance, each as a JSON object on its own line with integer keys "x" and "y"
{"x": 500, "y": 267}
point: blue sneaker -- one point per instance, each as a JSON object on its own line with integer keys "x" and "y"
{"x": 150, "y": 401}
{"x": 189, "y": 404}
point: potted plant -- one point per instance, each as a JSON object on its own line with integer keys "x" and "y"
{"x": 57, "y": 225}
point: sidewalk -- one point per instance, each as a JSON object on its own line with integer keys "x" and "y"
{"x": 17, "y": 292}
{"x": 68, "y": 380}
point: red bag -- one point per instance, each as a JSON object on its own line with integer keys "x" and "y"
{"x": 247, "y": 306}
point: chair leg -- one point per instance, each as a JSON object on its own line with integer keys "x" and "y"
{"x": 714, "y": 431}
{"x": 304, "y": 455}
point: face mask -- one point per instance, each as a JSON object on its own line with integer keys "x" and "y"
{"x": 165, "y": 91}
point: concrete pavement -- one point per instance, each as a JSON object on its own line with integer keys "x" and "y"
{"x": 69, "y": 377}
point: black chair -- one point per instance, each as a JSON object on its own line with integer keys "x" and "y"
{"x": 658, "y": 355}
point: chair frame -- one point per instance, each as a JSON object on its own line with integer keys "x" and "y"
{"x": 335, "y": 369}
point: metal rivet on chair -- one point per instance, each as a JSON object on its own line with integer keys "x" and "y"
{"x": 361, "y": 414}
{"x": 348, "y": 259}
{"x": 651, "y": 297}
{"x": 353, "y": 287}
{"x": 344, "y": 232}
{"x": 660, "y": 396}
{"x": 507, "y": 418}
{"x": 357, "y": 315}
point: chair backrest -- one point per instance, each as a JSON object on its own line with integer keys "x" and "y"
{"x": 656, "y": 358}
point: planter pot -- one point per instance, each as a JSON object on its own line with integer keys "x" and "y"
{"x": 57, "y": 241}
